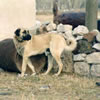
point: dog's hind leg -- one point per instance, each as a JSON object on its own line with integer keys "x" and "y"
{"x": 31, "y": 67}
{"x": 50, "y": 64}
{"x": 56, "y": 56}
{"x": 59, "y": 62}
{"x": 56, "y": 53}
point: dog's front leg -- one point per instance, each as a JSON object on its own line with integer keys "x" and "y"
{"x": 24, "y": 64}
{"x": 31, "y": 67}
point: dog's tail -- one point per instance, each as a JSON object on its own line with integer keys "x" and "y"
{"x": 55, "y": 7}
{"x": 71, "y": 44}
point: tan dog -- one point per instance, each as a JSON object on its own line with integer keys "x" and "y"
{"x": 37, "y": 44}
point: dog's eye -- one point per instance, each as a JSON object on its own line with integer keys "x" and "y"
{"x": 24, "y": 32}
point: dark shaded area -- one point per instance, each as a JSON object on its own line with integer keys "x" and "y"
{"x": 11, "y": 61}
{"x": 72, "y": 18}
{"x": 8, "y": 55}
{"x": 98, "y": 83}
{"x": 83, "y": 46}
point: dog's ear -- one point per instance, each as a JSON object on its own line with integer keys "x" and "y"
{"x": 17, "y": 32}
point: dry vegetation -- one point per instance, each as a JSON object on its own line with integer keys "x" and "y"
{"x": 65, "y": 87}
{"x": 50, "y": 87}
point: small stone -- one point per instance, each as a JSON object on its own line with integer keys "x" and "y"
{"x": 68, "y": 27}
{"x": 79, "y": 37}
{"x": 45, "y": 87}
{"x": 60, "y": 28}
{"x": 6, "y": 93}
{"x": 95, "y": 70}
{"x": 83, "y": 46}
{"x": 1, "y": 70}
{"x": 93, "y": 58}
{"x": 91, "y": 35}
{"x": 79, "y": 57}
{"x": 46, "y": 23}
{"x": 80, "y": 30}
{"x": 38, "y": 23}
{"x": 81, "y": 68}
{"x": 51, "y": 27}
{"x": 98, "y": 84}
{"x": 96, "y": 46}
{"x": 64, "y": 28}
{"x": 98, "y": 37}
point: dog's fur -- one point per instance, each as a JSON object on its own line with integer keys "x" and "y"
{"x": 38, "y": 44}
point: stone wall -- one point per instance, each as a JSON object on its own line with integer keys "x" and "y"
{"x": 86, "y": 57}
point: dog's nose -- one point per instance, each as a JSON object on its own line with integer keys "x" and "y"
{"x": 27, "y": 37}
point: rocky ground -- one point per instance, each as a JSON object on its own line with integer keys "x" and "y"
{"x": 65, "y": 87}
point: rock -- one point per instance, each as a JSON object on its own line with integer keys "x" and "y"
{"x": 68, "y": 29}
{"x": 98, "y": 84}
{"x": 61, "y": 28}
{"x": 67, "y": 62}
{"x": 96, "y": 46}
{"x": 93, "y": 58}
{"x": 91, "y": 35}
{"x": 38, "y": 23}
{"x": 80, "y": 30}
{"x": 98, "y": 37}
{"x": 83, "y": 46}
{"x": 95, "y": 70}
{"x": 50, "y": 27}
{"x": 45, "y": 87}
{"x": 68, "y": 33}
{"x": 1, "y": 70}
{"x": 79, "y": 57}
{"x": 79, "y": 37}
{"x": 64, "y": 28}
{"x": 46, "y": 23}
{"x": 11, "y": 61}
{"x": 81, "y": 68}
{"x": 53, "y": 32}
{"x": 5, "y": 93}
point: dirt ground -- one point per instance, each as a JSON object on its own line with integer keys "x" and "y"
{"x": 65, "y": 87}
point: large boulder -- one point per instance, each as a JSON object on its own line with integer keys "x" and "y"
{"x": 67, "y": 61}
{"x": 11, "y": 61}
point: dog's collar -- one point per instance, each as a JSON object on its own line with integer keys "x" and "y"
{"x": 20, "y": 40}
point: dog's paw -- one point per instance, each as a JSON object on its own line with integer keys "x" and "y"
{"x": 21, "y": 75}
{"x": 56, "y": 74}
{"x": 33, "y": 74}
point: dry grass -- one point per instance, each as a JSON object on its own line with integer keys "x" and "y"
{"x": 64, "y": 87}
